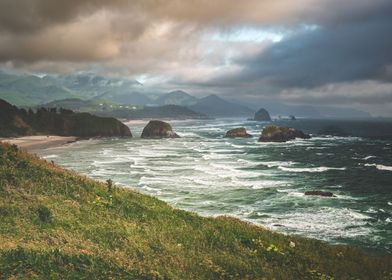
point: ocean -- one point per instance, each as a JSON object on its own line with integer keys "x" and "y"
{"x": 263, "y": 183}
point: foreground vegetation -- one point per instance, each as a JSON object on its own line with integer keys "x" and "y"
{"x": 57, "y": 224}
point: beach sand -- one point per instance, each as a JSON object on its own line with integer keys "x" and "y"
{"x": 39, "y": 142}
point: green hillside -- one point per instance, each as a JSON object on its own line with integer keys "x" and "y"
{"x": 19, "y": 122}
{"x": 56, "y": 224}
{"x": 31, "y": 90}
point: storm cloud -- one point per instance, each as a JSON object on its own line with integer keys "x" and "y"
{"x": 296, "y": 51}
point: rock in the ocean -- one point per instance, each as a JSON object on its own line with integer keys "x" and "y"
{"x": 262, "y": 115}
{"x": 274, "y": 133}
{"x": 320, "y": 193}
{"x": 158, "y": 129}
{"x": 237, "y": 132}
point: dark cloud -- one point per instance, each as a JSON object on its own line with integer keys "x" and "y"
{"x": 23, "y": 16}
{"x": 354, "y": 51}
{"x": 325, "y": 43}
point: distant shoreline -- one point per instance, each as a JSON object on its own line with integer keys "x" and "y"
{"x": 40, "y": 142}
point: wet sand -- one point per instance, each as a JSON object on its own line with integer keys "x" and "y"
{"x": 39, "y": 142}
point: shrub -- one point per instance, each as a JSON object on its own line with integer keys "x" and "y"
{"x": 44, "y": 214}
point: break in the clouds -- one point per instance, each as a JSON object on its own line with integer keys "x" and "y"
{"x": 303, "y": 51}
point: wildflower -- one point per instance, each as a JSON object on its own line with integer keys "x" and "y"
{"x": 292, "y": 244}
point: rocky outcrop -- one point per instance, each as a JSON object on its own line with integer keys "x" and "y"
{"x": 262, "y": 115}
{"x": 158, "y": 129}
{"x": 274, "y": 133}
{"x": 320, "y": 193}
{"x": 19, "y": 122}
{"x": 237, "y": 132}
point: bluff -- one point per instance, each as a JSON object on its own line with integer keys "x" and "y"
{"x": 20, "y": 122}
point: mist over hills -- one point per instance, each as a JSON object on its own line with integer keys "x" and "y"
{"x": 31, "y": 90}
{"x": 178, "y": 97}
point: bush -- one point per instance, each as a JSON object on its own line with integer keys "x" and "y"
{"x": 44, "y": 214}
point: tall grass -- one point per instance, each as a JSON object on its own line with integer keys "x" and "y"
{"x": 56, "y": 224}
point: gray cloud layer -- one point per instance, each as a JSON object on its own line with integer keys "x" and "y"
{"x": 171, "y": 40}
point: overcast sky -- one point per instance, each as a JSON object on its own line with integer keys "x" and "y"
{"x": 328, "y": 52}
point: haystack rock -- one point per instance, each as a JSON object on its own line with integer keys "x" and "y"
{"x": 158, "y": 129}
{"x": 262, "y": 115}
{"x": 274, "y": 133}
{"x": 237, "y": 132}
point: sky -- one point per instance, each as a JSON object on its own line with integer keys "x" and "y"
{"x": 316, "y": 52}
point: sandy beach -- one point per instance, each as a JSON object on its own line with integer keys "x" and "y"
{"x": 39, "y": 142}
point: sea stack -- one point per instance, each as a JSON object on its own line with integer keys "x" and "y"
{"x": 237, "y": 132}
{"x": 274, "y": 133}
{"x": 158, "y": 129}
{"x": 262, "y": 115}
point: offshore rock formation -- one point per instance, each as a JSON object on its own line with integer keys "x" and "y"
{"x": 158, "y": 129}
{"x": 274, "y": 133}
{"x": 320, "y": 193}
{"x": 237, "y": 132}
{"x": 262, "y": 115}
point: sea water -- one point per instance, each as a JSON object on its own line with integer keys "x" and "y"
{"x": 263, "y": 183}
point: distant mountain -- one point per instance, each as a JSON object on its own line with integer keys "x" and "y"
{"x": 90, "y": 85}
{"x": 178, "y": 97}
{"x": 128, "y": 98}
{"x": 215, "y": 106}
{"x": 76, "y": 104}
{"x": 29, "y": 90}
{"x": 309, "y": 111}
{"x": 105, "y": 108}
{"x": 166, "y": 111}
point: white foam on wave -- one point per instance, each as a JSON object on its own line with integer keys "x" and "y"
{"x": 310, "y": 169}
{"x": 278, "y": 164}
{"x": 380, "y": 166}
{"x": 50, "y": 156}
{"x": 323, "y": 223}
{"x": 368, "y": 157}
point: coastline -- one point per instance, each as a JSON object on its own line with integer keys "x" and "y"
{"x": 39, "y": 142}
{"x": 39, "y": 236}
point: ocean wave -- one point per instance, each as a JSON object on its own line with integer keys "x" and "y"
{"x": 368, "y": 157}
{"x": 50, "y": 156}
{"x": 310, "y": 169}
{"x": 379, "y": 166}
{"x": 332, "y": 222}
{"x": 278, "y": 164}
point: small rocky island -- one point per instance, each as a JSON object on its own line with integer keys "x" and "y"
{"x": 274, "y": 133}
{"x": 237, "y": 132}
{"x": 158, "y": 129}
{"x": 262, "y": 115}
{"x": 320, "y": 193}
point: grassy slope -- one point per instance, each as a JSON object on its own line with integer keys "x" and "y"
{"x": 57, "y": 224}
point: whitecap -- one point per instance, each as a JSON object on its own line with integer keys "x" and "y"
{"x": 368, "y": 157}
{"x": 380, "y": 166}
{"x": 310, "y": 169}
{"x": 278, "y": 164}
{"x": 50, "y": 156}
